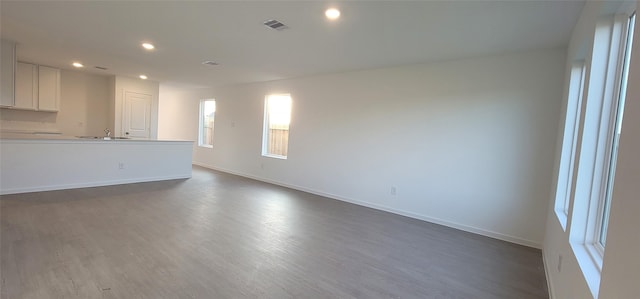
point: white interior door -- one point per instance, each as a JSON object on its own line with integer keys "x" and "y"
{"x": 137, "y": 115}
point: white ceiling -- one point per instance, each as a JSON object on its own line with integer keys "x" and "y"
{"x": 370, "y": 34}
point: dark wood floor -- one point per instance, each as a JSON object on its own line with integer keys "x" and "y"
{"x": 222, "y": 236}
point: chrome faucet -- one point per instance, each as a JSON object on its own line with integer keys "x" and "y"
{"x": 107, "y": 132}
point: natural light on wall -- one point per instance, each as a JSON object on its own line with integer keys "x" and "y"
{"x": 277, "y": 116}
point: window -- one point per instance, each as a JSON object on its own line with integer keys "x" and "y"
{"x": 569, "y": 143}
{"x": 207, "y": 115}
{"x": 277, "y": 116}
{"x": 599, "y": 133}
{"x": 603, "y": 210}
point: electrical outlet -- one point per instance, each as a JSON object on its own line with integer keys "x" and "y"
{"x": 393, "y": 190}
{"x": 560, "y": 263}
{"x": 120, "y": 165}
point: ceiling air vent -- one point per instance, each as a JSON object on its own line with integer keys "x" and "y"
{"x": 209, "y": 62}
{"x": 275, "y": 24}
{"x": 101, "y": 68}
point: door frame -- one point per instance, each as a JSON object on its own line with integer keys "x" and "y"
{"x": 124, "y": 117}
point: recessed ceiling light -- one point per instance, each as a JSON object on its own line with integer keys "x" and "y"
{"x": 143, "y": 77}
{"x": 77, "y": 64}
{"x": 332, "y": 13}
{"x": 148, "y": 46}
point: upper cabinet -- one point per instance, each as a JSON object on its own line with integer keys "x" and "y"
{"x": 37, "y": 87}
{"x": 7, "y": 72}
{"x": 26, "y": 86}
{"x": 48, "y": 89}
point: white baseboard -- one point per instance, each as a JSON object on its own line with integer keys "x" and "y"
{"x": 471, "y": 229}
{"x": 90, "y": 184}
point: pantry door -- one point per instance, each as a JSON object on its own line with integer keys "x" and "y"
{"x": 137, "y": 115}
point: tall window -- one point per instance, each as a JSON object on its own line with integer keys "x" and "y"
{"x": 569, "y": 142}
{"x": 207, "y": 115}
{"x": 603, "y": 210}
{"x": 277, "y": 116}
{"x": 599, "y": 133}
{"x": 592, "y": 128}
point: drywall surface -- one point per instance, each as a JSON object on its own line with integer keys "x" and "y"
{"x": 621, "y": 266}
{"x": 30, "y": 165}
{"x": 83, "y": 108}
{"x": 178, "y": 113}
{"x": 467, "y": 143}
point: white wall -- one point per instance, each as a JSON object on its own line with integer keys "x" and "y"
{"x": 83, "y": 108}
{"x": 177, "y": 113}
{"x": 621, "y": 266}
{"x": 123, "y": 84}
{"x": 467, "y": 143}
{"x": 43, "y": 165}
{"x": 112, "y": 103}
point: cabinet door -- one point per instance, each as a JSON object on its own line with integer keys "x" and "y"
{"x": 48, "y": 88}
{"x": 26, "y": 86}
{"x": 7, "y": 72}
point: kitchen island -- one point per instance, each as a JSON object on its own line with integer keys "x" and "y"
{"x": 31, "y": 162}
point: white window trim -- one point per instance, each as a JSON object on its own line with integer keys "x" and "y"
{"x": 281, "y": 157}
{"x": 618, "y": 108}
{"x": 570, "y": 142}
{"x": 265, "y": 128}
{"x": 610, "y": 105}
{"x": 603, "y": 85}
{"x": 201, "y": 126}
{"x": 605, "y": 139}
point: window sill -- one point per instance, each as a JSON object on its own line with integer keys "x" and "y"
{"x": 275, "y": 156}
{"x": 205, "y": 146}
{"x": 562, "y": 217}
{"x": 589, "y": 266}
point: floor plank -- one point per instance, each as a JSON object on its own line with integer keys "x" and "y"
{"x": 222, "y": 236}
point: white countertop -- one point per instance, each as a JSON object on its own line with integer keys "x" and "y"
{"x": 35, "y": 137}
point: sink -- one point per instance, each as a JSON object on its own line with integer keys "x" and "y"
{"x": 102, "y": 137}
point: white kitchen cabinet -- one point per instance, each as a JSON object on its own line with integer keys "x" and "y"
{"x": 7, "y": 72}
{"x": 37, "y": 87}
{"x": 48, "y": 89}
{"x": 26, "y": 86}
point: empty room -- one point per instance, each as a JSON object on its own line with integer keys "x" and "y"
{"x": 320, "y": 149}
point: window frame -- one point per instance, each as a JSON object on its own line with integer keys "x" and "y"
{"x": 593, "y": 180}
{"x": 266, "y": 135}
{"x": 612, "y": 101}
{"x": 615, "y": 125}
{"x": 201, "y": 127}
{"x": 566, "y": 172}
